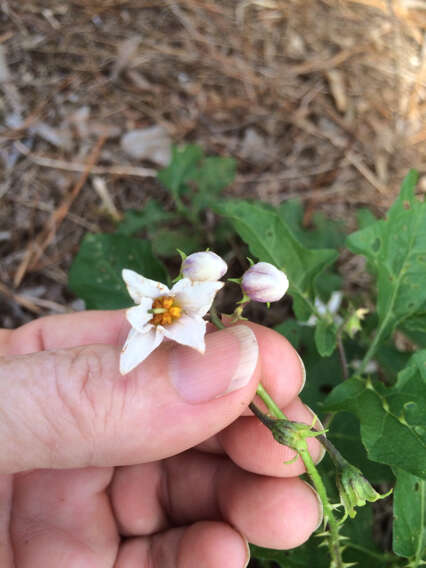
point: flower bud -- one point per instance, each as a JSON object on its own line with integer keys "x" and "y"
{"x": 355, "y": 490}
{"x": 204, "y": 266}
{"x": 263, "y": 282}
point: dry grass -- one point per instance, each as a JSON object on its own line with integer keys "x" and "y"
{"x": 320, "y": 99}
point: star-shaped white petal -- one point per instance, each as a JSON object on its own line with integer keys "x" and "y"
{"x": 188, "y": 331}
{"x": 193, "y": 298}
{"x": 137, "y": 347}
{"x": 140, "y": 287}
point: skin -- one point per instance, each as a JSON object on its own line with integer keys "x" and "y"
{"x": 99, "y": 470}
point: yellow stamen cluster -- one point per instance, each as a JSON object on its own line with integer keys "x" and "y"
{"x": 169, "y": 311}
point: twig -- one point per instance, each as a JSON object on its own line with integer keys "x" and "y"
{"x": 77, "y": 167}
{"x": 22, "y": 300}
{"x": 365, "y": 171}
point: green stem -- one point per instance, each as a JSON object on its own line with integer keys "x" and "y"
{"x": 215, "y": 318}
{"x": 302, "y": 449}
{"x": 371, "y": 350}
{"x": 333, "y": 535}
{"x": 273, "y": 408}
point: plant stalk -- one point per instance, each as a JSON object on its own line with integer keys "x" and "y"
{"x": 333, "y": 537}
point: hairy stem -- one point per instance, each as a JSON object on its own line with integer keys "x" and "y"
{"x": 333, "y": 537}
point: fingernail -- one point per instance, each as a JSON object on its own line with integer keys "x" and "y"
{"x": 248, "y": 551}
{"x": 227, "y": 365}
{"x": 317, "y": 425}
{"x": 321, "y": 508}
{"x": 302, "y": 364}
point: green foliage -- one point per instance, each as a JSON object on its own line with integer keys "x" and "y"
{"x": 393, "y": 421}
{"x": 396, "y": 248}
{"x": 325, "y": 233}
{"x": 377, "y": 421}
{"x": 136, "y": 220}
{"x": 166, "y": 241}
{"x": 409, "y": 526}
{"x": 325, "y": 336}
{"x": 182, "y": 168}
{"x": 365, "y": 218}
{"x": 198, "y": 178}
{"x": 307, "y": 555}
{"x": 95, "y": 274}
{"x": 194, "y": 182}
{"x": 269, "y": 238}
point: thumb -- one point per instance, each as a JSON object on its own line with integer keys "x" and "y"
{"x": 72, "y": 408}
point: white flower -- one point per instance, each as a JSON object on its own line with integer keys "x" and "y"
{"x": 175, "y": 314}
{"x": 332, "y": 307}
{"x": 371, "y": 367}
{"x": 201, "y": 266}
{"x": 263, "y": 282}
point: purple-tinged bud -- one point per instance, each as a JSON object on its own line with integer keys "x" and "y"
{"x": 263, "y": 282}
{"x": 204, "y": 266}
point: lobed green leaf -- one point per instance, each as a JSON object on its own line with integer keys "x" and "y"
{"x": 396, "y": 250}
{"x": 393, "y": 421}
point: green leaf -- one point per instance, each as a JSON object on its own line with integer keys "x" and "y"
{"x": 345, "y": 434}
{"x": 325, "y": 232}
{"x": 325, "y": 337}
{"x": 214, "y": 174}
{"x": 166, "y": 241}
{"x": 323, "y": 373}
{"x": 396, "y": 249}
{"x": 270, "y": 239}
{"x": 415, "y": 328}
{"x": 136, "y": 220}
{"x": 95, "y": 274}
{"x": 391, "y": 360}
{"x": 409, "y": 525}
{"x": 361, "y": 547}
{"x": 292, "y": 330}
{"x": 182, "y": 168}
{"x": 365, "y": 218}
{"x": 393, "y": 421}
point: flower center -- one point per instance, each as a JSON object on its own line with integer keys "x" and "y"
{"x": 165, "y": 311}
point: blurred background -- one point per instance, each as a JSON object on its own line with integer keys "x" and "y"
{"x": 320, "y": 100}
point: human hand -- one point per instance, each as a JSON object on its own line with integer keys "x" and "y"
{"x": 157, "y": 468}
